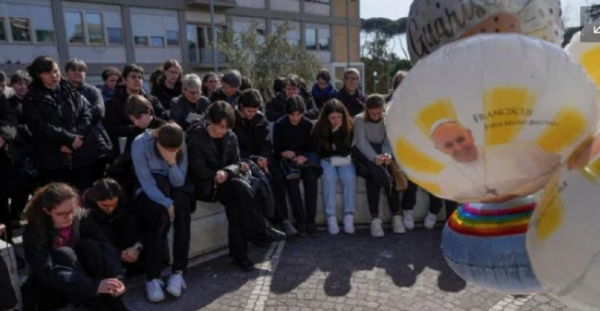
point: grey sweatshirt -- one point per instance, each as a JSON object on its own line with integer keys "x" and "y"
{"x": 366, "y": 133}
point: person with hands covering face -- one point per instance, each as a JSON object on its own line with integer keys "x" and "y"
{"x": 7, "y": 292}
{"x": 71, "y": 259}
{"x": 216, "y": 169}
{"x": 110, "y": 209}
{"x": 160, "y": 161}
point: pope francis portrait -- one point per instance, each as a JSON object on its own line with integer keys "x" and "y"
{"x": 490, "y": 174}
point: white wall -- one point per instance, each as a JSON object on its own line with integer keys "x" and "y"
{"x": 156, "y": 55}
{"x": 26, "y": 53}
{"x": 257, "y": 4}
{"x": 286, "y": 5}
{"x": 317, "y": 8}
{"x": 99, "y": 54}
{"x": 203, "y": 17}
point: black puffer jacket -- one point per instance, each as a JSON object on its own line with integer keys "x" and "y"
{"x": 54, "y": 124}
{"x": 97, "y": 136}
{"x": 165, "y": 94}
{"x": 253, "y": 136}
{"x": 276, "y": 107}
{"x": 355, "y": 104}
{"x": 181, "y": 108}
{"x": 24, "y": 138}
{"x": 205, "y": 160}
{"x": 116, "y": 120}
{"x": 220, "y": 95}
{"x": 8, "y": 127}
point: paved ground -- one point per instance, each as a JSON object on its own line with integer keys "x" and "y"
{"x": 343, "y": 272}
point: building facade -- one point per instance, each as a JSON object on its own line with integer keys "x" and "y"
{"x": 148, "y": 32}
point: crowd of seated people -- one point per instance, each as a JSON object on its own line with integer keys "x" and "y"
{"x": 101, "y": 174}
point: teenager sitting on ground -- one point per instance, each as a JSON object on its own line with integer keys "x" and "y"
{"x": 161, "y": 162}
{"x": 190, "y": 107}
{"x": 229, "y": 91}
{"x": 252, "y": 131}
{"x": 276, "y": 108}
{"x": 295, "y": 155}
{"x": 109, "y": 208}
{"x": 71, "y": 259}
{"x": 332, "y": 136}
{"x": 118, "y": 124}
{"x": 216, "y": 169}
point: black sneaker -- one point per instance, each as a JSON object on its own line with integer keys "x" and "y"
{"x": 288, "y": 228}
{"x": 245, "y": 264}
{"x": 313, "y": 231}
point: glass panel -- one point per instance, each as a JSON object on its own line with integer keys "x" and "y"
{"x": 192, "y": 41}
{"x": 115, "y": 35}
{"x": 157, "y": 41}
{"x": 311, "y": 39}
{"x": 74, "y": 27}
{"x": 139, "y": 25}
{"x": 324, "y": 39}
{"x": 44, "y": 36}
{"x": 140, "y": 40}
{"x": 2, "y": 31}
{"x": 204, "y": 36}
{"x": 172, "y": 38}
{"x": 41, "y": 17}
{"x": 113, "y": 19}
{"x": 95, "y": 30}
{"x": 20, "y": 29}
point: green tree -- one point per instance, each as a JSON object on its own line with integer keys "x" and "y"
{"x": 264, "y": 57}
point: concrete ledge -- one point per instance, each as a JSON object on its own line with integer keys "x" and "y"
{"x": 209, "y": 222}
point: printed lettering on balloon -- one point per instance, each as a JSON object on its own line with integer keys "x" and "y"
{"x": 445, "y": 26}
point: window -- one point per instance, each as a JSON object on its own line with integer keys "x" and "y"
{"x": 115, "y": 35}
{"x": 157, "y": 42}
{"x": 311, "y": 39}
{"x": 293, "y": 35}
{"x": 74, "y": 25}
{"x": 97, "y": 26}
{"x": 2, "y": 32}
{"x": 26, "y": 23}
{"x": 320, "y": 1}
{"x": 243, "y": 24}
{"x": 94, "y": 28}
{"x": 172, "y": 38}
{"x": 159, "y": 27}
{"x": 324, "y": 39}
{"x": 200, "y": 43}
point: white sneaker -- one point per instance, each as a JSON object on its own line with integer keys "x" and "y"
{"x": 154, "y": 291}
{"x": 332, "y": 225}
{"x": 430, "y": 221}
{"x": 409, "y": 221}
{"x": 376, "y": 229}
{"x": 349, "y": 223}
{"x": 398, "y": 225}
{"x": 176, "y": 285}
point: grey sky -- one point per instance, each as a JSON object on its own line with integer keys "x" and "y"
{"x": 394, "y": 9}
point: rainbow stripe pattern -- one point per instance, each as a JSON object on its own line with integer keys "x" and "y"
{"x": 492, "y": 220}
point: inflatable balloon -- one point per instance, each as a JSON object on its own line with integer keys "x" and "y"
{"x": 431, "y": 24}
{"x": 491, "y": 117}
{"x": 587, "y": 54}
{"x": 562, "y": 238}
{"x": 485, "y": 245}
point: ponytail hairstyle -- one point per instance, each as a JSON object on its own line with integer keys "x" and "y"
{"x": 322, "y": 128}
{"x": 170, "y": 136}
{"x": 47, "y": 197}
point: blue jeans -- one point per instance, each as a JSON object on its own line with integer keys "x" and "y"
{"x": 331, "y": 174}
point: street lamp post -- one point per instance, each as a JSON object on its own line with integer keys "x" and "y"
{"x": 214, "y": 35}
{"x": 374, "y": 81}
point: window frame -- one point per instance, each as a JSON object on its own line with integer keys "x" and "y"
{"x": 86, "y": 32}
{"x": 2, "y": 22}
{"x": 221, "y": 29}
{"x": 31, "y": 31}
{"x": 164, "y": 35}
{"x": 316, "y": 29}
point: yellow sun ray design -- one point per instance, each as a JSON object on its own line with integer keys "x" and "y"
{"x": 590, "y": 60}
{"x": 438, "y": 110}
{"x": 550, "y": 211}
{"x": 505, "y": 111}
{"x": 570, "y": 124}
{"x": 414, "y": 159}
